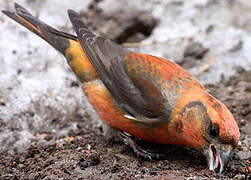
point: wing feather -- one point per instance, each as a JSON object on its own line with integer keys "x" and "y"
{"x": 129, "y": 91}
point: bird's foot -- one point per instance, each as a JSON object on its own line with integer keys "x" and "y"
{"x": 144, "y": 149}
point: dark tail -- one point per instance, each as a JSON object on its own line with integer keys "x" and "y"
{"x": 58, "y": 39}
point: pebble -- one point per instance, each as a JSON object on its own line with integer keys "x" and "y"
{"x": 239, "y": 177}
{"x": 153, "y": 171}
{"x": 88, "y": 146}
{"x": 8, "y": 169}
{"x": 83, "y": 164}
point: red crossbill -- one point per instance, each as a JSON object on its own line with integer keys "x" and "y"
{"x": 139, "y": 95}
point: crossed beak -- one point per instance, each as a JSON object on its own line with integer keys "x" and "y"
{"x": 218, "y": 157}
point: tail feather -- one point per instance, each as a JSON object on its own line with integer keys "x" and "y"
{"x": 65, "y": 43}
{"x": 58, "y": 39}
{"x": 23, "y": 22}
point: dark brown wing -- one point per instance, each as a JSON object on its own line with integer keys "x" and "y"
{"x": 115, "y": 66}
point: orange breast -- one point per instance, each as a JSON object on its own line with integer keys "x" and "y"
{"x": 112, "y": 115}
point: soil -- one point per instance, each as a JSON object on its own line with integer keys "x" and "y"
{"x": 86, "y": 154}
{"x": 90, "y": 156}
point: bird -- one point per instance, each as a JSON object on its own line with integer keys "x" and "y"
{"x": 140, "y": 97}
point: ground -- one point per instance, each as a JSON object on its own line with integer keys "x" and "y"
{"x": 49, "y": 131}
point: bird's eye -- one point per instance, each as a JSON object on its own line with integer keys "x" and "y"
{"x": 214, "y": 130}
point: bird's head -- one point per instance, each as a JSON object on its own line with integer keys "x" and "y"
{"x": 208, "y": 126}
{"x": 221, "y": 134}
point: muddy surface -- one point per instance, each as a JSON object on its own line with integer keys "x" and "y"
{"x": 50, "y": 134}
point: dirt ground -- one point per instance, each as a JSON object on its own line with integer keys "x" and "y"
{"x": 83, "y": 153}
{"x": 87, "y": 155}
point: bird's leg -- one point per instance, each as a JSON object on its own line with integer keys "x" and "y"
{"x": 111, "y": 135}
{"x": 144, "y": 149}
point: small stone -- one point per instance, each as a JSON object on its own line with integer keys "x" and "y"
{"x": 109, "y": 150}
{"x": 195, "y": 50}
{"x": 83, "y": 164}
{"x": 243, "y": 122}
{"x": 8, "y": 169}
{"x": 116, "y": 168}
{"x": 74, "y": 84}
{"x": 2, "y": 102}
{"x": 237, "y": 46}
{"x": 88, "y": 146}
{"x": 153, "y": 171}
{"x": 137, "y": 172}
{"x": 79, "y": 149}
{"x": 239, "y": 177}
